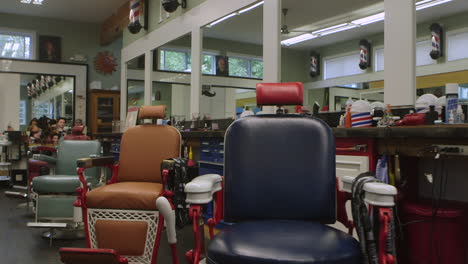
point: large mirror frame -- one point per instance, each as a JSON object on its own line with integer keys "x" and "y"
{"x": 78, "y": 71}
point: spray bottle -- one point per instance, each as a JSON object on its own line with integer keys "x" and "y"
{"x": 451, "y": 105}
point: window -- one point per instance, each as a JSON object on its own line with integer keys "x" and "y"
{"x": 22, "y": 112}
{"x": 180, "y": 60}
{"x": 456, "y": 46}
{"x": 43, "y": 109}
{"x": 423, "y": 49}
{"x": 245, "y": 67}
{"x": 208, "y": 63}
{"x": 175, "y": 60}
{"x": 16, "y": 45}
{"x": 342, "y": 66}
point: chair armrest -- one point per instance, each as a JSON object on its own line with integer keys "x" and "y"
{"x": 42, "y": 157}
{"x": 201, "y": 189}
{"x": 95, "y": 162}
{"x": 376, "y": 193}
{"x": 380, "y": 194}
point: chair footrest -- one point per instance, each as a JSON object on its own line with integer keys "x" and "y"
{"x": 16, "y": 194}
{"x": 20, "y": 187}
{"x": 47, "y": 225}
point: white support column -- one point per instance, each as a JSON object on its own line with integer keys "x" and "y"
{"x": 271, "y": 41}
{"x": 400, "y": 53}
{"x": 148, "y": 77}
{"x": 196, "y": 76}
{"x": 123, "y": 92}
{"x": 271, "y": 44}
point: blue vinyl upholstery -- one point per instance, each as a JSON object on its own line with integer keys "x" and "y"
{"x": 279, "y": 167}
{"x": 283, "y": 242}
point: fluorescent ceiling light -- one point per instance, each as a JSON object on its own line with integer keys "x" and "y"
{"x": 425, "y": 4}
{"x": 334, "y": 29}
{"x": 251, "y": 7}
{"x": 300, "y": 38}
{"x": 349, "y": 26}
{"x": 370, "y": 19}
{"x": 38, "y": 2}
{"x": 329, "y": 28}
{"x": 25, "y": 1}
{"x": 222, "y": 19}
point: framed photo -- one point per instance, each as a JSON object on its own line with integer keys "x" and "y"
{"x": 222, "y": 66}
{"x": 50, "y": 48}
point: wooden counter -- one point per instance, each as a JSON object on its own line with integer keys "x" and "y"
{"x": 436, "y": 131}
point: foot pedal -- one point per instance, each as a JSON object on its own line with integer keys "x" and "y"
{"x": 20, "y": 187}
{"x": 91, "y": 256}
{"x": 16, "y": 194}
{"x": 47, "y": 225}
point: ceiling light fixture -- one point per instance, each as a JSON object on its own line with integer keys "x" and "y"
{"x": 369, "y": 20}
{"x": 334, "y": 29}
{"x": 25, "y": 1}
{"x": 425, "y": 4}
{"x": 355, "y": 23}
{"x": 251, "y": 7}
{"x": 221, "y": 19}
{"x": 235, "y": 13}
{"x": 38, "y": 2}
{"x": 297, "y": 39}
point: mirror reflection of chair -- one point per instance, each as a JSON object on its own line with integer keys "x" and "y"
{"x": 279, "y": 190}
{"x": 127, "y": 215}
{"x": 53, "y": 195}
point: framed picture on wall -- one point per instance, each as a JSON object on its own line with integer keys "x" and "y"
{"x": 222, "y": 66}
{"x": 50, "y": 48}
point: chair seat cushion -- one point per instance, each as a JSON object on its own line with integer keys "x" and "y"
{"x": 125, "y": 195}
{"x": 283, "y": 242}
{"x": 58, "y": 183}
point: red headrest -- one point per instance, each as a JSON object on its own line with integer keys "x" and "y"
{"x": 77, "y": 130}
{"x": 279, "y": 93}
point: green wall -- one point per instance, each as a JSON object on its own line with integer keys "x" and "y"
{"x": 153, "y": 23}
{"x": 77, "y": 37}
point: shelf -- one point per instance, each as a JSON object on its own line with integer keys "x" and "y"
{"x": 211, "y": 163}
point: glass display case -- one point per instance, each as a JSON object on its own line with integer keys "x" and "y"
{"x": 105, "y": 108}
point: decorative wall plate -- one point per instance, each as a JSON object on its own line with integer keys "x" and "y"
{"x": 105, "y": 63}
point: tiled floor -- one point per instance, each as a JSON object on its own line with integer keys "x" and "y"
{"x": 22, "y": 245}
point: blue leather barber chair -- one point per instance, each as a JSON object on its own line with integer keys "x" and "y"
{"x": 279, "y": 191}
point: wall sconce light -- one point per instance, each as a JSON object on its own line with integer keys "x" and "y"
{"x": 172, "y": 5}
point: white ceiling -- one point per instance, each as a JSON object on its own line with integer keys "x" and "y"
{"x": 92, "y": 11}
{"x": 304, "y": 15}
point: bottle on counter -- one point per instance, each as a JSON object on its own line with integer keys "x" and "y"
{"x": 451, "y": 105}
{"x": 431, "y": 116}
{"x": 460, "y": 116}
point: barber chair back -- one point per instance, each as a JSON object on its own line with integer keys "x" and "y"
{"x": 283, "y": 164}
{"x": 68, "y": 151}
{"x": 77, "y": 134}
{"x": 144, "y": 147}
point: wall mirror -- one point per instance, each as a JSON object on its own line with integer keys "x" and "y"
{"x": 232, "y": 63}
{"x": 135, "y": 81}
{"x": 31, "y": 89}
{"x": 172, "y": 64}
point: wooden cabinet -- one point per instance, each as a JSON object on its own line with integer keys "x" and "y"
{"x": 104, "y": 108}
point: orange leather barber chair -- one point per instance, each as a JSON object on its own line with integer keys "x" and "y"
{"x": 127, "y": 215}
